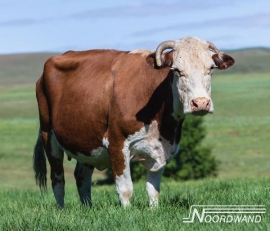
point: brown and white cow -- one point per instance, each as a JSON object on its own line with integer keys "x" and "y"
{"x": 107, "y": 107}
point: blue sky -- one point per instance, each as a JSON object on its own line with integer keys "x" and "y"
{"x": 60, "y": 25}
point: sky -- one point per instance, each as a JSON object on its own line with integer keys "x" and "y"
{"x": 61, "y": 25}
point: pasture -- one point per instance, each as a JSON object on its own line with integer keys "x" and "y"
{"x": 238, "y": 131}
{"x": 26, "y": 210}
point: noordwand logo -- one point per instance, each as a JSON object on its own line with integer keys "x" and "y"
{"x": 226, "y": 213}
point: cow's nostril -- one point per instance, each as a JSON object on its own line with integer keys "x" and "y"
{"x": 208, "y": 103}
{"x": 194, "y": 104}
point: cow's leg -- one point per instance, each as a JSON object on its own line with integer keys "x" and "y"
{"x": 83, "y": 175}
{"x": 55, "y": 157}
{"x": 121, "y": 170}
{"x": 153, "y": 186}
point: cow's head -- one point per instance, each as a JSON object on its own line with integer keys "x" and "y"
{"x": 192, "y": 61}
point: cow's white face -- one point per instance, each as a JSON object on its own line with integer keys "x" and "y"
{"x": 193, "y": 66}
{"x": 193, "y": 61}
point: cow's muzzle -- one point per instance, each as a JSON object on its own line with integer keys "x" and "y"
{"x": 200, "y": 105}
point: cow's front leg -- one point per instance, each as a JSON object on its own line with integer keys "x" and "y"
{"x": 121, "y": 171}
{"x": 124, "y": 186}
{"x": 153, "y": 186}
{"x": 83, "y": 175}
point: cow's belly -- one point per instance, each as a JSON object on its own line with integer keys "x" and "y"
{"x": 149, "y": 148}
{"x": 146, "y": 146}
{"x": 99, "y": 158}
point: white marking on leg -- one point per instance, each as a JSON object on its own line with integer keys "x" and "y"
{"x": 153, "y": 186}
{"x": 124, "y": 186}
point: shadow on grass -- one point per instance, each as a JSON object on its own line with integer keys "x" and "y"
{"x": 108, "y": 181}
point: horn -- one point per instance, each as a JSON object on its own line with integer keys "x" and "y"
{"x": 213, "y": 47}
{"x": 161, "y": 47}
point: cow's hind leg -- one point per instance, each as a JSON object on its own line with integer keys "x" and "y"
{"x": 83, "y": 175}
{"x": 55, "y": 157}
{"x": 153, "y": 186}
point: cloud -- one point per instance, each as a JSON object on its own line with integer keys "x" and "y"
{"x": 18, "y": 22}
{"x": 25, "y": 22}
{"x": 249, "y": 21}
{"x": 144, "y": 9}
{"x": 139, "y": 9}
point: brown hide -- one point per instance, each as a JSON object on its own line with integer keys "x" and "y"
{"x": 103, "y": 93}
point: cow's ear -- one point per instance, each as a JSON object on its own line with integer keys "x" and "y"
{"x": 166, "y": 59}
{"x": 223, "y": 60}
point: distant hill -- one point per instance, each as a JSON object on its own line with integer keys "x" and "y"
{"x": 22, "y": 68}
{"x": 256, "y": 60}
{"x": 26, "y": 68}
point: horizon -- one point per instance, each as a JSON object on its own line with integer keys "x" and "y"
{"x": 55, "y": 52}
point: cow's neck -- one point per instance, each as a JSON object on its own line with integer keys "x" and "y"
{"x": 160, "y": 108}
{"x": 172, "y": 118}
{"x": 177, "y": 104}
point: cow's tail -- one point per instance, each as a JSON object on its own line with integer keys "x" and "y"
{"x": 39, "y": 164}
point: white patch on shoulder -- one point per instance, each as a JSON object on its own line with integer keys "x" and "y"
{"x": 144, "y": 53}
{"x": 99, "y": 157}
{"x": 149, "y": 147}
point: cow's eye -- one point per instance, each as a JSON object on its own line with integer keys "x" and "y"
{"x": 179, "y": 73}
{"x": 211, "y": 70}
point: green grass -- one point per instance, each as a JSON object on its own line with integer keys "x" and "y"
{"x": 26, "y": 210}
{"x": 238, "y": 131}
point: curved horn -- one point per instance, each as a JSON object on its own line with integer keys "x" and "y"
{"x": 161, "y": 47}
{"x": 212, "y": 47}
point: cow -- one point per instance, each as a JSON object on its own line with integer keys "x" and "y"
{"x": 108, "y": 107}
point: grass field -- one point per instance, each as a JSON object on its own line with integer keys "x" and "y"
{"x": 25, "y": 210}
{"x": 238, "y": 131}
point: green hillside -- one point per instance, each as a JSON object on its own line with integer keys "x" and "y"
{"x": 250, "y": 60}
{"x": 19, "y": 69}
